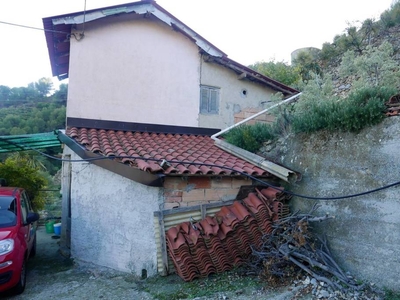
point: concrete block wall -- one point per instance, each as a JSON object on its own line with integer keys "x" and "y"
{"x": 190, "y": 191}
{"x": 364, "y": 235}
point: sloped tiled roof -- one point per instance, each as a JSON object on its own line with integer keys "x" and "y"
{"x": 185, "y": 154}
{"x": 220, "y": 243}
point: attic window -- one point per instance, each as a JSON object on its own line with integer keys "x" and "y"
{"x": 209, "y": 100}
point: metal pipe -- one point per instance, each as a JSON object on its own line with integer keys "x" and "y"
{"x": 288, "y": 100}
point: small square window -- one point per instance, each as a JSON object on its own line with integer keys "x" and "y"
{"x": 209, "y": 100}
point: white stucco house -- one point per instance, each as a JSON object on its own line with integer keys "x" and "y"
{"x": 145, "y": 95}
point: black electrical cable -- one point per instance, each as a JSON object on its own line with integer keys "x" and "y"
{"x": 227, "y": 168}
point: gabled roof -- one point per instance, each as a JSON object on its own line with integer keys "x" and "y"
{"x": 58, "y": 30}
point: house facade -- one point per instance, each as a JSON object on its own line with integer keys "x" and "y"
{"x": 137, "y": 63}
{"x": 145, "y": 95}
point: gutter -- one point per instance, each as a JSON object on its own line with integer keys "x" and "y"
{"x": 273, "y": 168}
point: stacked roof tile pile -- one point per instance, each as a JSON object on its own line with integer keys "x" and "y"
{"x": 217, "y": 244}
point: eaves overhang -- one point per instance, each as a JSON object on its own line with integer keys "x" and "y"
{"x": 137, "y": 175}
{"x": 249, "y": 74}
{"x": 58, "y": 30}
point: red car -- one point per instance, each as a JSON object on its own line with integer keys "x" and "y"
{"x": 18, "y": 223}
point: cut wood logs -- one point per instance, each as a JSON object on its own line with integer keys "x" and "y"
{"x": 292, "y": 248}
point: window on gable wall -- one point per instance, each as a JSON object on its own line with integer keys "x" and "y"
{"x": 209, "y": 100}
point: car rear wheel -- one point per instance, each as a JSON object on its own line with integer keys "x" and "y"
{"x": 20, "y": 287}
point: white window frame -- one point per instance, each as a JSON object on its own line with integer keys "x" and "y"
{"x": 209, "y": 100}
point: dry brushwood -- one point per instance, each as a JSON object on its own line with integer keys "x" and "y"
{"x": 292, "y": 247}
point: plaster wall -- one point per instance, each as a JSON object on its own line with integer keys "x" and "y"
{"x": 134, "y": 70}
{"x": 364, "y": 236}
{"x": 232, "y": 99}
{"x": 112, "y": 219}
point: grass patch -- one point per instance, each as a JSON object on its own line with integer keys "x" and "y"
{"x": 173, "y": 288}
{"x": 391, "y": 295}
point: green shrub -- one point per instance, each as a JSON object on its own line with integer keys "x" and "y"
{"x": 250, "y": 137}
{"x": 317, "y": 111}
{"x": 391, "y": 295}
{"x": 391, "y": 17}
{"x": 363, "y": 107}
{"x": 328, "y": 53}
{"x": 375, "y": 67}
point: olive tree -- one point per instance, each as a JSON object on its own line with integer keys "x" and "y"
{"x": 375, "y": 67}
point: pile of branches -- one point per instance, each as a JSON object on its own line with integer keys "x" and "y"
{"x": 292, "y": 250}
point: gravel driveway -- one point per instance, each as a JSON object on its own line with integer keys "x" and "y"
{"x": 51, "y": 276}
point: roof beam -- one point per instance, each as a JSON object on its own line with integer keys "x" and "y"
{"x": 242, "y": 76}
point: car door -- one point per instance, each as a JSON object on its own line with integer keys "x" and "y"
{"x": 28, "y": 229}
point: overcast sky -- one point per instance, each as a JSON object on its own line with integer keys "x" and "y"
{"x": 248, "y": 31}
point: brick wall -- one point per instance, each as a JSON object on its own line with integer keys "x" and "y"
{"x": 248, "y": 112}
{"x": 189, "y": 191}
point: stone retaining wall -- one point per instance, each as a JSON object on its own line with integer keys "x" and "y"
{"x": 364, "y": 236}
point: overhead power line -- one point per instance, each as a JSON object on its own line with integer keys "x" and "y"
{"x": 35, "y": 28}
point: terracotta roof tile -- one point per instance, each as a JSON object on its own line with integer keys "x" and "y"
{"x": 145, "y": 151}
{"x": 217, "y": 244}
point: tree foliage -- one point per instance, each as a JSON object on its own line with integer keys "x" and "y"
{"x": 279, "y": 71}
{"x": 61, "y": 94}
{"x": 36, "y": 113}
{"x": 375, "y": 67}
{"x": 306, "y": 63}
{"x": 26, "y": 110}
{"x": 43, "y": 87}
{"x": 391, "y": 17}
{"x": 32, "y": 93}
{"x": 20, "y": 172}
{"x": 374, "y": 73}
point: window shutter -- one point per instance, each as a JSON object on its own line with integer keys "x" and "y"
{"x": 209, "y": 100}
{"x": 204, "y": 100}
{"x": 213, "y": 102}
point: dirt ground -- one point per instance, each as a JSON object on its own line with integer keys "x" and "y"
{"x": 52, "y": 276}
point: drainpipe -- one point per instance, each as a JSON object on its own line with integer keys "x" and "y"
{"x": 275, "y": 169}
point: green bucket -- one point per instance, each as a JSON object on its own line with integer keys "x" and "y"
{"x": 50, "y": 226}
